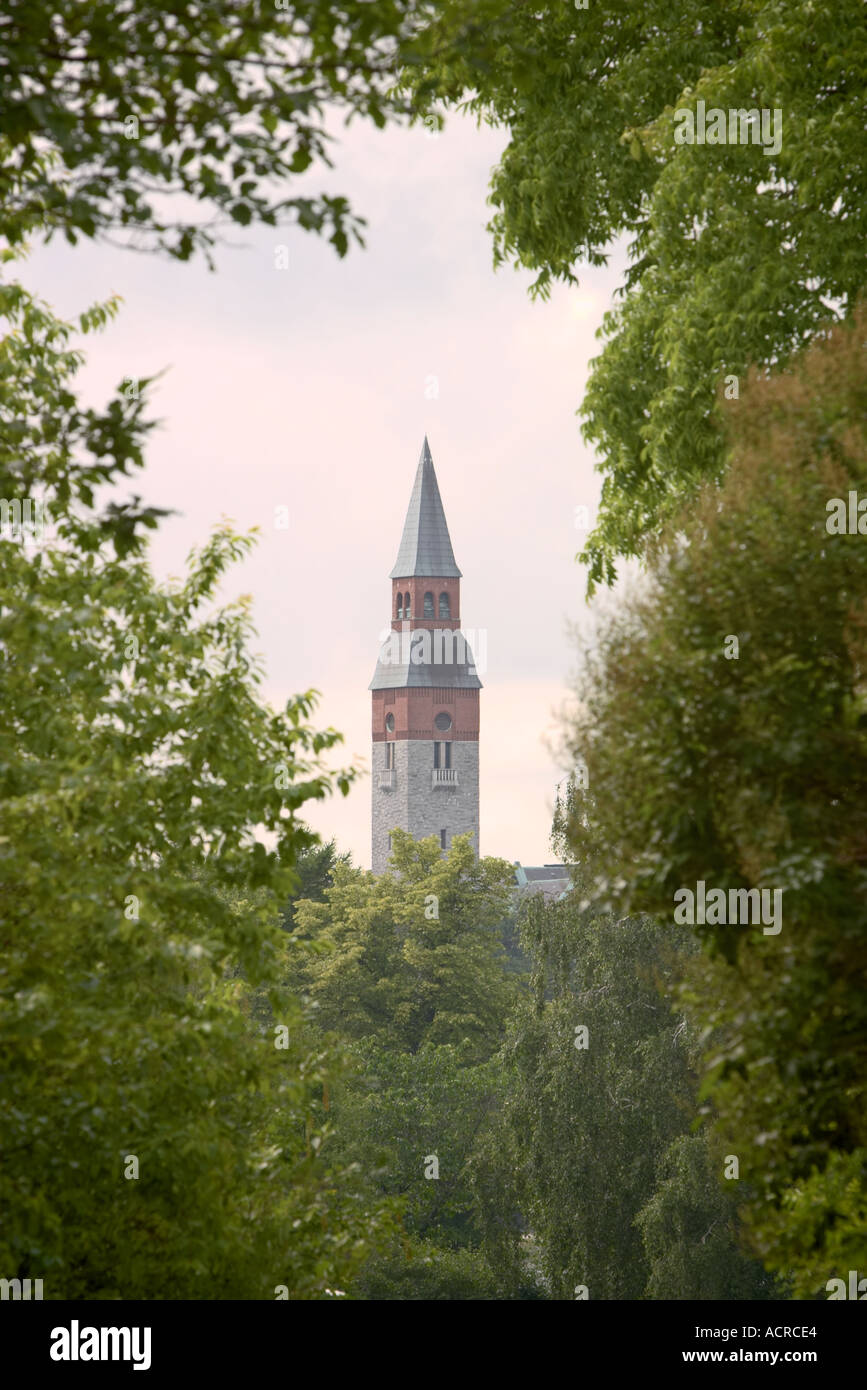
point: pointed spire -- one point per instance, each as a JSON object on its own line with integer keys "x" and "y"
{"x": 425, "y": 547}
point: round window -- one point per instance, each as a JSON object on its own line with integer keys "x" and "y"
{"x": 443, "y": 722}
{"x": 389, "y": 723}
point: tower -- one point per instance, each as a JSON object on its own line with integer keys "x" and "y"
{"x": 425, "y": 763}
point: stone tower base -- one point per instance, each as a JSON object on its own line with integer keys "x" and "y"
{"x": 415, "y": 804}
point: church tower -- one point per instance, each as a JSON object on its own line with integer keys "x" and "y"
{"x": 425, "y": 763}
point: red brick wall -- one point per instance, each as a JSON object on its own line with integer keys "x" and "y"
{"x": 417, "y": 588}
{"x": 414, "y": 711}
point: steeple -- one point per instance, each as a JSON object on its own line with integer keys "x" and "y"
{"x": 425, "y": 690}
{"x": 425, "y": 546}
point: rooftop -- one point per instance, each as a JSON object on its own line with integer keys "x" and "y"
{"x": 553, "y": 881}
{"x": 425, "y": 546}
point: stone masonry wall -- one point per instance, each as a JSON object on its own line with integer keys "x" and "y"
{"x": 415, "y": 805}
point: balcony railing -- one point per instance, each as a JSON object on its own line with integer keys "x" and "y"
{"x": 386, "y": 779}
{"x": 444, "y": 777}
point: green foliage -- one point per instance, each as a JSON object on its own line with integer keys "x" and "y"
{"x": 405, "y": 1107}
{"x": 392, "y": 1117}
{"x": 517, "y": 962}
{"x": 498, "y": 1196}
{"x": 51, "y": 448}
{"x": 137, "y": 773}
{"x": 314, "y": 870}
{"x": 753, "y": 772}
{"x": 160, "y": 1141}
{"x": 411, "y": 966}
{"x": 111, "y": 110}
{"x": 826, "y": 1212}
{"x": 387, "y": 967}
{"x": 590, "y": 1124}
{"x": 427, "y": 1273}
{"x": 691, "y": 1232}
{"x": 738, "y": 254}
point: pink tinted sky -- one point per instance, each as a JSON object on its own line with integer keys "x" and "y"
{"x": 311, "y": 388}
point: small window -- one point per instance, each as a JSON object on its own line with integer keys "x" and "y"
{"x": 399, "y": 604}
{"x": 428, "y": 606}
{"x": 445, "y": 606}
{"x": 443, "y": 722}
{"x": 442, "y": 755}
{"x": 389, "y": 756}
{"x": 407, "y": 606}
{"x": 389, "y": 723}
{"x": 442, "y": 839}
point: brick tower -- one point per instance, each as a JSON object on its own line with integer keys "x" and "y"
{"x": 425, "y": 764}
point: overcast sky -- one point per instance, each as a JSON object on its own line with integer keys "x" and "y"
{"x": 312, "y": 387}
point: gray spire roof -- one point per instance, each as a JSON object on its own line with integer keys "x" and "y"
{"x": 425, "y": 547}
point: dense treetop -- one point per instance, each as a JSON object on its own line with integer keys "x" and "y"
{"x": 113, "y": 110}
{"x": 740, "y": 251}
{"x": 745, "y": 766}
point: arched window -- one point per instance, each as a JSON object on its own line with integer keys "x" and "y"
{"x": 399, "y": 604}
{"x": 428, "y": 606}
{"x": 407, "y": 607}
{"x": 445, "y": 606}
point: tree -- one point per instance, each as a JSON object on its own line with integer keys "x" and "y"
{"x": 412, "y": 1123}
{"x": 410, "y": 967}
{"x": 430, "y": 1274}
{"x": 157, "y": 1143}
{"x": 314, "y": 872}
{"x": 601, "y": 1085}
{"x": 691, "y": 1231}
{"x": 162, "y": 1141}
{"x": 407, "y": 1107}
{"x": 739, "y": 250}
{"x": 412, "y": 956}
{"x": 723, "y": 727}
{"x": 112, "y": 110}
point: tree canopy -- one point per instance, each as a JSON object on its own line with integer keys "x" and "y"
{"x": 139, "y": 118}
{"x": 723, "y": 729}
{"x": 410, "y": 967}
{"x": 412, "y": 956}
{"x": 740, "y": 250}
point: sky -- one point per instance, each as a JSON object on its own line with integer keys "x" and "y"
{"x": 311, "y": 388}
